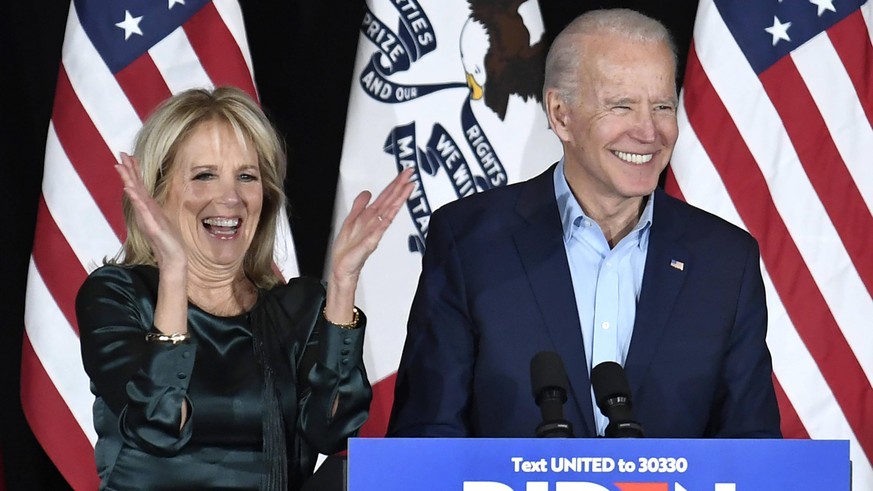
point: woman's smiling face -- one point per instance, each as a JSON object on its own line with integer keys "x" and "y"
{"x": 215, "y": 196}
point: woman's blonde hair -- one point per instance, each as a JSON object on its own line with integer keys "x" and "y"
{"x": 158, "y": 142}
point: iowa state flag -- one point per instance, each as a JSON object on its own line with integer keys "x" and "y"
{"x": 450, "y": 88}
{"x": 120, "y": 59}
{"x": 775, "y": 135}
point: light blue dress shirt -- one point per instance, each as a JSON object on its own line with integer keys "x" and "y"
{"x": 606, "y": 281}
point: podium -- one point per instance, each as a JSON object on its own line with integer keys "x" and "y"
{"x": 553, "y": 464}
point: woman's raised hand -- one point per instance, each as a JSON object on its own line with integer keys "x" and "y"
{"x": 150, "y": 218}
{"x": 364, "y": 226}
{"x": 359, "y": 236}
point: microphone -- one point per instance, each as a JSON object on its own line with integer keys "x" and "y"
{"x": 549, "y": 383}
{"x": 612, "y": 394}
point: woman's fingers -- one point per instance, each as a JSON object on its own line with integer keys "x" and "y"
{"x": 131, "y": 177}
{"x": 150, "y": 218}
{"x": 365, "y": 224}
{"x": 358, "y": 206}
{"x": 389, "y": 201}
{"x": 392, "y": 197}
{"x": 400, "y": 190}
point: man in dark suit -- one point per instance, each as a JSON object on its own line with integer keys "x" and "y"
{"x": 591, "y": 261}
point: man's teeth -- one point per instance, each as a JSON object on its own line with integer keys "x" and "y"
{"x": 634, "y": 158}
{"x": 222, "y": 222}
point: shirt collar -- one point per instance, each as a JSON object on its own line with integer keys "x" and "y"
{"x": 572, "y": 214}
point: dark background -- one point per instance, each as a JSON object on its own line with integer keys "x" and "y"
{"x": 303, "y": 52}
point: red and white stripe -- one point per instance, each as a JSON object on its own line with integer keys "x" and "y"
{"x": 787, "y": 156}
{"x": 95, "y": 117}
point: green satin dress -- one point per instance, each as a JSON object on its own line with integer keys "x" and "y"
{"x": 140, "y": 385}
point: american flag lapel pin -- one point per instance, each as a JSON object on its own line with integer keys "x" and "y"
{"x": 677, "y": 265}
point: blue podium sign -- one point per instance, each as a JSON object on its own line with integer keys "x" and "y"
{"x": 509, "y": 464}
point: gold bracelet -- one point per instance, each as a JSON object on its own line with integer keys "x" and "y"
{"x": 174, "y": 338}
{"x": 351, "y": 325}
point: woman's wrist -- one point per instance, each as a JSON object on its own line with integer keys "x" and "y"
{"x": 160, "y": 337}
{"x": 343, "y": 284}
{"x": 340, "y": 300}
{"x": 171, "y": 310}
{"x": 356, "y": 318}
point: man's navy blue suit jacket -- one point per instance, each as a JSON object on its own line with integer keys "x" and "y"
{"x": 495, "y": 289}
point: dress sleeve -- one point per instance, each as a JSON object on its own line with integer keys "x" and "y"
{"x": 334, "y": 378}
{"x": 145, "y": 383}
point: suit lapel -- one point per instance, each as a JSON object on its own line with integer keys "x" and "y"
{"x": 667, "y": 265}
{"x": 541, "y": 248}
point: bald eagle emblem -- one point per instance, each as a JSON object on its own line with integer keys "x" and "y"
{"x": 497, "y": 55}
{"x": 495, "y": 61}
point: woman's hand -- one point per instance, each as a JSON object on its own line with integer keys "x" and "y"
{"x": 150, "y": 218}
{"x": 171, "y": 310}
{"x": 357, "y": 239}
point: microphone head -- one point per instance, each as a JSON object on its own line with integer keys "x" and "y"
{"x": 547, "y": 372}
{"x": 549, "y": 384}
{"x": 609, "y": 382}
{"x": 612, "y": 393}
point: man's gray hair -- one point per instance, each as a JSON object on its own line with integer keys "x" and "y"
{"x": 565, "y": 54}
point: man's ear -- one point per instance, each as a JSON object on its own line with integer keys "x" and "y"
{"x": 557, "y": 113}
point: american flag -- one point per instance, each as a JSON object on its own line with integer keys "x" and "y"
{"x": 775, "y": 135}
{"x": 120, "y": 59}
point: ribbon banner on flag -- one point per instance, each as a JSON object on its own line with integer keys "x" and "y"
{"x": 775, "y": 135}
{"x": 120, "y": 59}
{"x": 451, "y": 89}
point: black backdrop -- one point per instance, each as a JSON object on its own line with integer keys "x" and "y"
{"x": 303, "y": 52}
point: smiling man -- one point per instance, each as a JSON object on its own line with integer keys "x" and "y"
{"x": 592, "y": 261}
